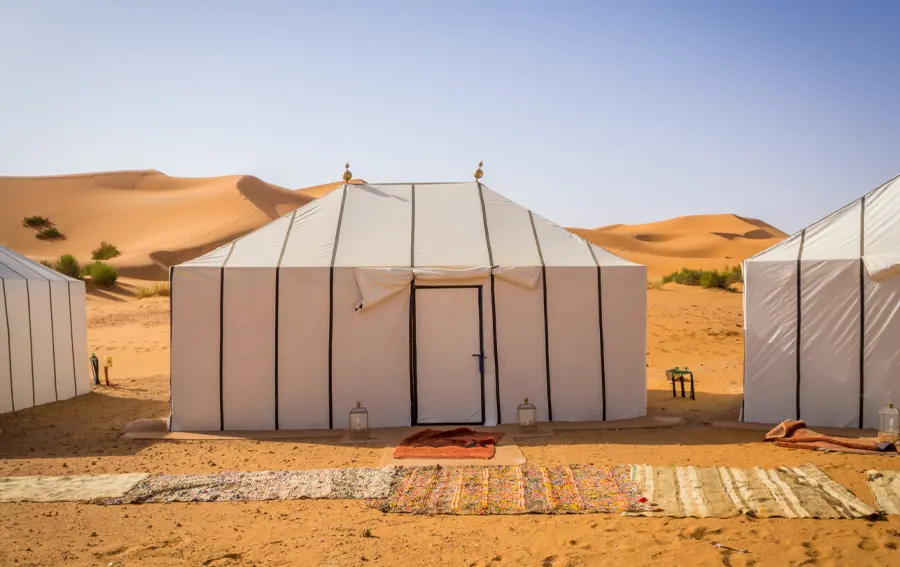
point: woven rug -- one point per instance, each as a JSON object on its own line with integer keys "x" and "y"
{"x": 72, "y": 488}
{"x": 723, "y": 492}
{"x": 487, "y": 490}
{"x": 267, "y": 485}
{"x": 885, "y": 486}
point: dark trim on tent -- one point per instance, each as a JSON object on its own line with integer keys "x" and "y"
{"x": 546, "y": 326}
{"x": 413, "y": 398}
{"x": 12, "y": 397}
{"x": 30, "y": 341}
{"x": 53, "y": 339}
{"x": 222, "y": 339}
{"x": 862, "y": 309}
{"x": 799, "y": 318}
{"x": 600, "y": 320}
{"x": 334, "y": 248}
{"x": 171, "y": 331}
{"x": 479, "y": 288}
{"x": 487, "y": 238}
{"x": 287, "y": 235}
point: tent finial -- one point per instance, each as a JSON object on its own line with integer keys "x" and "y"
{"x": 347, "y": 175}
{"x": 478, "y": 173}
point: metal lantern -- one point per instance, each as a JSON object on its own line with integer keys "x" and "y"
{"x": 359, "y": 423}
{"x": 527, "y": 417}
{"x": 889, "y": 424}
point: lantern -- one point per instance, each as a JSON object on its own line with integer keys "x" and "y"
{"x": 359, "y": 423}
{"x": 889, "y": 424}
{"x": 527, "y": 417}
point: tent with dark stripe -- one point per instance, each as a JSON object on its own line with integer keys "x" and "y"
{"x": 822, "y": 318}
{"x": 43, "y": 342}
{"x": 433, "y": 303}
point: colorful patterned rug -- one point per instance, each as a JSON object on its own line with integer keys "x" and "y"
{"x": 486, "y": 490}
{"x": 885, "y": 486}
{"x": 724, "y": 492}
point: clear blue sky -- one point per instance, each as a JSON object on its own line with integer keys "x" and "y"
{"x": 590, "y": 113}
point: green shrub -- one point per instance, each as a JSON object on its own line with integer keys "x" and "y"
{"x": 658, "y": 284}
{"x": 47, "y": 263}
{"x": 161, "y": 289}
{"x": 105, "y": 251}
{"x": 102, "y": 274}
{"x": 35, "y": 221}
{"x": 713, "y": 279}
{"x": 735, "y": 274}
{"x": 48, "y": 233}
{"x": 67, "y": 265}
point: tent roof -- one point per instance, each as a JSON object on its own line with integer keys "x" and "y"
{"x": 867, "y": 227}
{"x": 446, "y": 225}
{"x": 14, "y": 266}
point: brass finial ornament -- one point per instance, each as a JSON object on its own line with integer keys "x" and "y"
{"x": 478, "y": 173}
{"x": 347, "y": 175}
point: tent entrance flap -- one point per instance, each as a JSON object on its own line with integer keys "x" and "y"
{"x": 448, "y": 350}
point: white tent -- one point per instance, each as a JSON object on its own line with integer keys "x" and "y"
{"x": 43, "y": 343}
{"x": 822, "y": 318}
{"x": 428, "y": 303}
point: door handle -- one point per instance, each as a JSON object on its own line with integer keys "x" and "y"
{"x": 480, "y": 356}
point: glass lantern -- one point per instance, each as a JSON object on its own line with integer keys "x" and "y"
{"x": 889, "y": 424}
{"x": 527, "y": 417}
{"x": 359, "y": 423}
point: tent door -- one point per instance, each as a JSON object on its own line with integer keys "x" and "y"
{"x": 448, "y": 355}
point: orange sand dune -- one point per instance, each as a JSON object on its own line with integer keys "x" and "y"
{"x": 154, "y": 219}
{"x": 700, "y": 242}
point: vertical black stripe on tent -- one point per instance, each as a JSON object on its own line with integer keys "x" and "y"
{"x": 487, "y": 239}
{"x": 222, "y": 339}
{"x": 12, "y": 397}
{"x": 334, "y": 248}
{"x": 413, "y": 396}
{"x": 862, "y": 309}
{"x": 30, "y": 340}
{"x": 546, "y": 326}
{"x": 600, "y": 319}
{"x": 53, "y": 339}
{"x": 799, "y": 318}
{"x": 277, "y": 306}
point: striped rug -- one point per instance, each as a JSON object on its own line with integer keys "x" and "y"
{"x": 723, "y": 492}
{"x": 885, "y": 486}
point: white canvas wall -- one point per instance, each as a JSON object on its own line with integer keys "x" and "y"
{"x": 43, "y": 350}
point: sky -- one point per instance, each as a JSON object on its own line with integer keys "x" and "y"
{"x": 589, "y": 113}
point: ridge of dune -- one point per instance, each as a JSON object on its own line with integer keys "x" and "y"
{"x": 155, "y": 220}
{"x": 317, "y": 191}
{"x": 698, "y": 241}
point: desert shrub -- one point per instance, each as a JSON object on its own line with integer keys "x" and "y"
{"x": 35, "y": 221}
{"x": 735, "y": 274}
{"x": 684, "y": 277}
{"x": 105, "y": 251}
{"x": 161, "y": 289}
{"x": 714, "y": 279}
{"x": 48, "y": 233}
{"x": 657, "y": 284}
{"x": 67, "y": 265}
{"x": 102, "y": 273}
{"x": 48, "y": 264}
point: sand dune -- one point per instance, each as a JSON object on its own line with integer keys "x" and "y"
{"x": 701, "y": 241}
{"x": 154, "y": 219}
{"x": 157, "y": 220}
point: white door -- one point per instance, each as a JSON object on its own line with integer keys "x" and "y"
{"x": 449, "y": 355}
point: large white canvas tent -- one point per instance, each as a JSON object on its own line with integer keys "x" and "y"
{"x": 822, "y": 318}
{"x": 43, "y": 343}
{"x": 431, "y": 303}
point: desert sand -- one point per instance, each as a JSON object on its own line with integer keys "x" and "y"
{"x": 686, "y": 327}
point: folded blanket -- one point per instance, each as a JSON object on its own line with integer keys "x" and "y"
{"x": 793, "y": 434}
{"x": 454, "y": 443}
